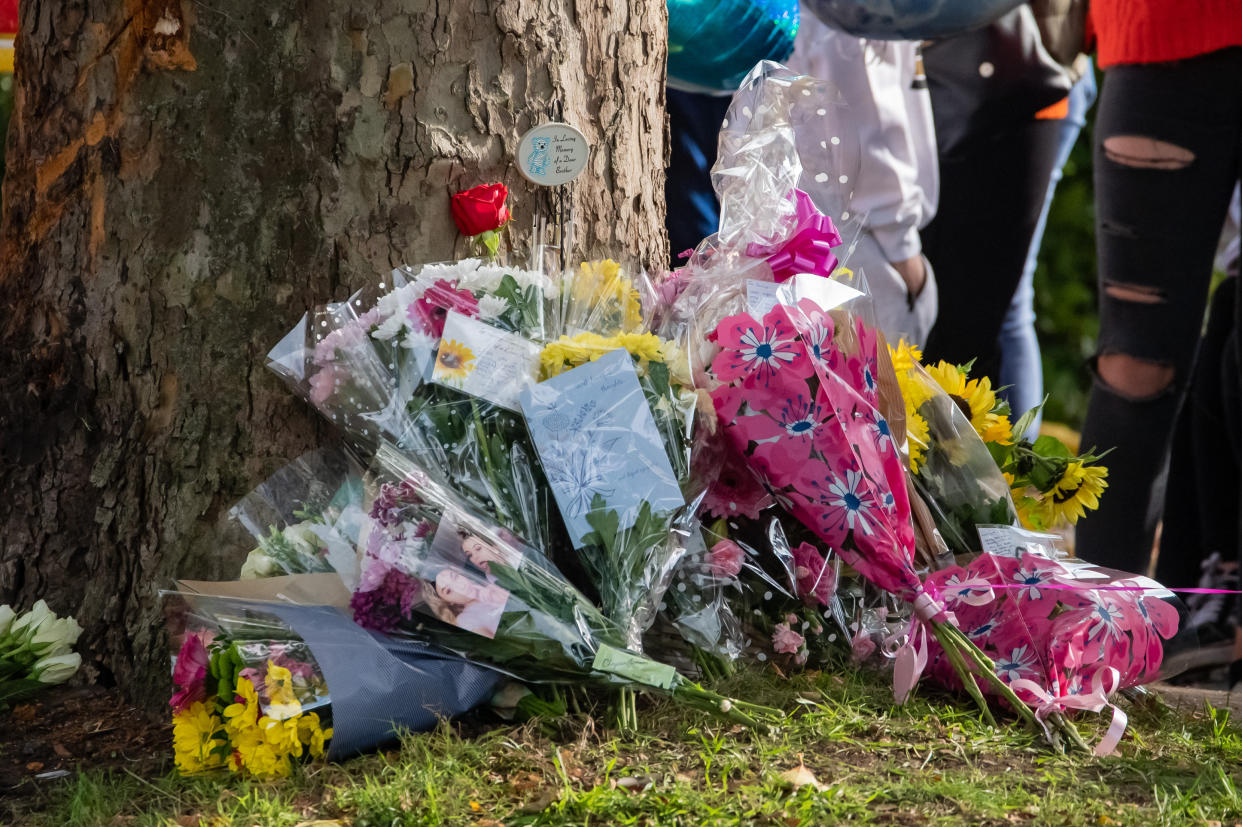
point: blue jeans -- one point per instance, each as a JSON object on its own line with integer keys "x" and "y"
{"x": 1020, "y": 366}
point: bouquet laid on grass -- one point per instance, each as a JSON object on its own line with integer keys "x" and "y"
{"x": 305, "y": 518}
{"x": 261, "y": 685}
{"x": 435, "y": 367}
{"x": 435, "y": 571}
{"x": 36, "y": 651}
{"x": 1064, "y": 635}
{"x": 615, "y": 429}
{"x": 972, "y": 465}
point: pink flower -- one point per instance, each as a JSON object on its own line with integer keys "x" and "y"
{"x": 816, "y": 328}
{"x": 735, "y": 492}
{"x": 428, "y": 313}
{"x": 726, "y": 558}
{"x": 322, "y": 383}
{"x": 190, "y": 673}
{"x": 785, "y": 640}
{"x": 815, "y": 578}
{"x": 756, "y": 352}
{"x": 790, "y": 428}
{"x": 861, "y": 647}
{"x": 844, "y": 503}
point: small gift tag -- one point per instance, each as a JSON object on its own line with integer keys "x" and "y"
{"x": 552, "y": 154}
{"x": 483, "y": 361}
{"x": 1010, "y": 541}
{"x": 642, "y": 670}
{"x": 761, "y": 296}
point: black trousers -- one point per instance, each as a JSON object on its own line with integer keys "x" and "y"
{"x": 1156, "y": 233}
{"x": 992, "y": 190}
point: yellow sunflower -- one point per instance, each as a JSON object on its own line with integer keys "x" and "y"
{"x": 975, "y": 399}
{"x": 454, "y": 361}
{"x": 917, "y": 438}
{"x": 1077, "y": 492}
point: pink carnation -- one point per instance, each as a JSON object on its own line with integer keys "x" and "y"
{"x": 815, "y": 577}
{"x": 786, "y": 641}
{"x": 862, "y": 646}
{"x": 726, "y": 559}
{"x": 190, "y": 673}
{"x": 736, "y": 492}
{"x": 428, "y": 313}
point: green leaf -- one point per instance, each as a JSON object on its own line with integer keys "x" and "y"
{"x": 1050, "y": 446}
{"x": 16, "y": 690}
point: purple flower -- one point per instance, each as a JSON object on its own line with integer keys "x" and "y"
{"x": 383, "y": 608}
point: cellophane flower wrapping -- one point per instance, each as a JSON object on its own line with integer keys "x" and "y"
{"x": 615, "y": 426}
{"x": 434, "y": 571}
{"x": 1057, "y": 628}
{"x": 305, "y": 518}
{"x": 434, "y": 366}
{"x": 261, "y": 686}
{"x": 950, "y": 464}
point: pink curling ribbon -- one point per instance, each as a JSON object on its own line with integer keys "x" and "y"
{"x": 1093, "y": 701}
{"x": 808, "y": 249}
{"x": 911, "y": 657}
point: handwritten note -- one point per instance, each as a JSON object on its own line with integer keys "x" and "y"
{"x": 552, "y": 154}
{"x": 482, "y": 361}
{"x": 596, "y": 437}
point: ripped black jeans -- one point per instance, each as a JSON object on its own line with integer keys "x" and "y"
{"x": 1168, "y": 149}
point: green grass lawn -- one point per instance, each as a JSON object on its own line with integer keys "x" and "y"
{"x": 932, "y": 761}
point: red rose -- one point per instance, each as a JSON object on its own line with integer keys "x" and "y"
{"x": 481, "y": 208}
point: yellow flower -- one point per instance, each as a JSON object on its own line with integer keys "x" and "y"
{"x": 905, "y": 356}
{"x": 918, "y": 436}
{"x": 243, "y": 713}
{"x": 1077, "y": 492}
{"x": 312, "y": 735}
{"x": 195, "y": 742}
{"x": 453, "y": 360}
{"x": 975, "y": 399}
{"x": 282, "y": 736}
{"x": 603, "y": 297}
{"x": 569, "y": 352}
{"x": 282, "y": 703}
{"x": 915, "y": 388}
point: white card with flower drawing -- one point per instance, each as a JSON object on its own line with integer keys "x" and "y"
{"x": 485, "y": 362}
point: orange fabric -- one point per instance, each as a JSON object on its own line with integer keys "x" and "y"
{"x": 1157, "y": 31}
{"x": 1055, "y": 112}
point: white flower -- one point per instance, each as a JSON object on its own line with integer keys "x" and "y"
{"x": 490, "y": 307}
{"x": 304, "y": 538}
{"x": 55, "y": 637}
{"x": 257, "y": 566}
{"x": 394, "y": 325}
{"x": 6, "y": 619}
{"x": 56, "y": 668}
{"x": 25, "y": 625}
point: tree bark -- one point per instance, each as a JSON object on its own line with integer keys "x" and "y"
{"x": 185, "y": 179}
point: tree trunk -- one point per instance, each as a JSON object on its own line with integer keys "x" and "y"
{"x": 185, "y": 179}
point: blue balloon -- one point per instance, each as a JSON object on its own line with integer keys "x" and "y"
{"x": 909, "y": 19}
{"x": 712, "y": 44}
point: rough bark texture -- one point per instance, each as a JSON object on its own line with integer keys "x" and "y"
{"x": 185, "y": 179}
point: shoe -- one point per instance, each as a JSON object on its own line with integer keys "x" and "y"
{"x": 1207, "y": 638}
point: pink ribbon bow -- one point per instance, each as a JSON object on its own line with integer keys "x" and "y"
{"x": 1093, "y": 701}
{"x": 808, "y": 249}
{"x": 911, "y": 658}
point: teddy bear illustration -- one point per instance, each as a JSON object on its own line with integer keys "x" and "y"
{"x": 538, "y": 159}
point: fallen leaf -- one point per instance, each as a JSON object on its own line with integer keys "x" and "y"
{"x": 330, "y": 822}
{"x": 35, "y": 766}
{"x": 489, "y": 822}
{"x": 24, "y": 712}
{"x": 634, "y": 784}
{"x": 60, "y": 750}
{"x": 800, "y": 777}
{"x": 541, "y": 801}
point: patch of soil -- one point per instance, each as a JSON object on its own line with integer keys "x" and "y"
{"x": 48, "y": 739}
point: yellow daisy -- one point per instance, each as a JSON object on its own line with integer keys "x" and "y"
{"x": 454, "y": 360}
{"x": 905, "y": 356}
{"x": 195, "y": 742}
{"x": 918, "y": 437}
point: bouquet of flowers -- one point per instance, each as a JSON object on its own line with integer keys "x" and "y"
{"x": 973, "y": 466}
{"x": 305, "y": 518}
{"x": 615, "y": 428}
{"x": 261, "y": 685}
{"x": 36, "y": 650}
{"x": 435, "y": 367}
{"x": 1064, "y": 635}
{"x": 434, "y": 571}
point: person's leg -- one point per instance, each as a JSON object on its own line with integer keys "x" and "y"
{"x": 693, "y": 213}
{"x": 1166, "y": 159}
{"x": 991, "y": 196}
{"x": 1021, "y": 372}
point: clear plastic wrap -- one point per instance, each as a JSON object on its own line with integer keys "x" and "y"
{"x": 305, "y": 518}
{"x": 437, "y": 572}
{"x": 435, "y": 367}
{"x": 261, "y": 685}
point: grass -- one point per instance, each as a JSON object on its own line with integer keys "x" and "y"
{"x": 931, "y": 762}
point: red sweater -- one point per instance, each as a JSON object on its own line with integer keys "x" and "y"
{"x": 1155, "y": 31}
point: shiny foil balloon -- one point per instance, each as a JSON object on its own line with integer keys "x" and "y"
{"x": 712, "y": 44}
{"x": 907, "y": 19}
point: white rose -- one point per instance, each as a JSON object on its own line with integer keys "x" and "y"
{"x": 257, "y": 566}
{"x": 55, "y": 637}
{"x": 56, "y": 668}
{"x": 6, "y": 619}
